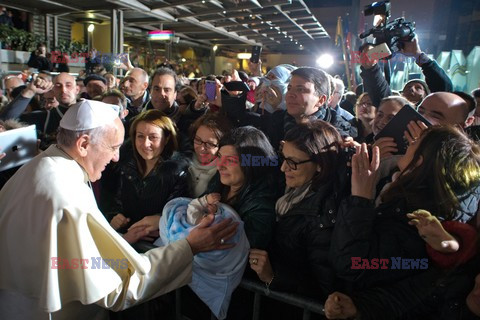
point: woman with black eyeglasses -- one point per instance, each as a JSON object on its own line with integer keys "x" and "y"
{"x": 206, "y": 133}
{"x": 316, "y": 181}
{"x": 364, "y": 117}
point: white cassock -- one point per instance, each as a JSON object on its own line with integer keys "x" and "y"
{"x": 48, "y": 211}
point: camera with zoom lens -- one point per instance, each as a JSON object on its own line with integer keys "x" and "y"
{"x": 389, "y": 37}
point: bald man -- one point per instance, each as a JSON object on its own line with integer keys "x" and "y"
{"x": 135, "y": 86}
{"x": 65, "y": 90}
{"x": 440, "y": 108}
{"x": 448, "y": 108}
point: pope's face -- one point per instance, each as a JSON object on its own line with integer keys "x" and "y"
{"x": 106, "y": 149}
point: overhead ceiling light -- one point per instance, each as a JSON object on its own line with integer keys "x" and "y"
{"x": 215, "y": 47}
{"x": 224, "y": 12}
{"x": 244, "y": 55}
{"x": 91, "y": 27}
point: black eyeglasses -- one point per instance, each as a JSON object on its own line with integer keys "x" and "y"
{"x": 207, "y": 145}
{"x": 292, "y": 164}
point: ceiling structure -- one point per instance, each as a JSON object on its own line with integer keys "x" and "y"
{"x": 277, "y": 25}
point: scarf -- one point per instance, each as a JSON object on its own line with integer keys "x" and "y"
{"x": 200, "y": 175}
{"x": 292, "y": 197}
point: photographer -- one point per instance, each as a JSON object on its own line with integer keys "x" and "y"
{"x": 376, "y": 85}
{"x": 38, "y": 59}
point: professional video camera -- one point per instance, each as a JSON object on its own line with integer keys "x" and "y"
{"x": 389, "y": 36}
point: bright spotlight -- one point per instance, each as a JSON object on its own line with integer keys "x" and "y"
{"x": 215, "y": 47}
{"x": 325, "y": 61}
{"x": 91, "y": 27}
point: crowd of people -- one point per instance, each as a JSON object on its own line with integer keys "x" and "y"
{"x": 330, "y": 211}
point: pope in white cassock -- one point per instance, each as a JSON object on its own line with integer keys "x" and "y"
{"x": 60, "y": 259}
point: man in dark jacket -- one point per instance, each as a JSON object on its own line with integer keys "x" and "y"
{"x": 306, "y": 98}
{"x": 135, "y": 85}
{"x": 378, "y": 88}
{"x": 47, "y": 121}
{"x": 163, "y": 95}
{"x": 38, "y": 59}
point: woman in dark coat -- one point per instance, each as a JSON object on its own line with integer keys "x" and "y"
{"x": 439, "y": 172}
{"x": 246, "y": 164}
{"x": 151, "y": 173}
{"x": 315, "y": 174}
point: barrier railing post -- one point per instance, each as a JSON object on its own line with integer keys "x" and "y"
{"x": 256, "y": 306}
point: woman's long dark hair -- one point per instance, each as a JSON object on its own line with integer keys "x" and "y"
{"x": 321, "y": 141}
{"x": 159, "y": 119}
{"x": 249, "y": 142}
{"x": 449, "y": 167}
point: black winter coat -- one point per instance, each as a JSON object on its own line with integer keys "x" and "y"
{"x": 302, "y": 241}
{"x": 434, "y": 294}
{"x": 256, "y": 207}
{"x": 137, "y": 196}
{"x": 277, "y": 124}
{"x": 363, "y": 231}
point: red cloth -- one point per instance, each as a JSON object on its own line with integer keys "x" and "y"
{"x": 251, "y": 96}
{"x": 467, "y": 236}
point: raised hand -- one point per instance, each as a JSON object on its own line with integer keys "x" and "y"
{"x": 432, "y": 231}
{"x": 415, "y": 130}
{"x": 364, "y": 172}
{"x": 255, "y": 68}
{"x": 411, "y": 48}
{"x": 387, "y": 146}
{"x": 273, "y": 96}
{"x": 37, "y": 86}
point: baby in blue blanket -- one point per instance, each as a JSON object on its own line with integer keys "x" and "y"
{"x": 216, "y": 273}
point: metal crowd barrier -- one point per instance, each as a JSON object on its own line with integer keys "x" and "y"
{"x": 308, "y": 305}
